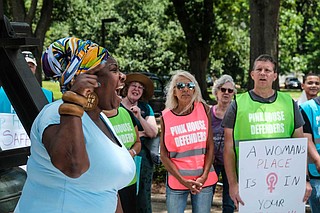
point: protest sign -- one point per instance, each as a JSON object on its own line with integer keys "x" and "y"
{"x": 272, "y": 175}
{"x": 12, "y": 133}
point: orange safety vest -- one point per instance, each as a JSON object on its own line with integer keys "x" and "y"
{"x": 185, "y": 137}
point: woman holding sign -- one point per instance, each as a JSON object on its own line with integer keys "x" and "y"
{"x": 186, "y": 146}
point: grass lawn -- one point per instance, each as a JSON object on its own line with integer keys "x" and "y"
{"x": 54, "y": 87}
{"x": 295, "y": 93}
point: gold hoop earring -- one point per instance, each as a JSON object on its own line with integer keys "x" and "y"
{"x": 92, "y": 102}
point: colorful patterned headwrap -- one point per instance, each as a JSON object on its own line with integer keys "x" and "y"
{"x": 66, "y": 58}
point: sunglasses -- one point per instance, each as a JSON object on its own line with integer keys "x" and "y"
{"x": 181, "y": 85}
{"x": 225, "y": 90}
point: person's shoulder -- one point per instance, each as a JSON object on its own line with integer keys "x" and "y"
{"x": 49, "y": 115}
{"x": 142, "y": 104}
{"x": 124, "y": 110}
{"x": 205, "y": 105}
{"x": 52, "y": 105}
{"x": 283, "y": 94}
{"x": 243, "y": 94}
{"x": 317, "y": 100}
{"x": 49, "y": 111}
{"x": 145, "y": 107}
{"x": 311, "y": 102}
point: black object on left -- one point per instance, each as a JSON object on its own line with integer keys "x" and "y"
{"x": 20, "y": 85}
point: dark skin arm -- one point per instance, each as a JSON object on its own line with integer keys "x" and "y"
{"x": 65, "y": 142}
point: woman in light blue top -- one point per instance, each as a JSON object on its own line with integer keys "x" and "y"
{"x": 77, "y": 163}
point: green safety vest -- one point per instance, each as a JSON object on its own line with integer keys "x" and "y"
{"x": 124, "y": 128}
{"x": 256, "y": 120}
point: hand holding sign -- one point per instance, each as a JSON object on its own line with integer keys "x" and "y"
{"x": 272, "y": 175}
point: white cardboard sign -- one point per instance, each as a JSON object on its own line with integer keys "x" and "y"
{"x": 12, "y": 133}
{"x": 272, "y": 175}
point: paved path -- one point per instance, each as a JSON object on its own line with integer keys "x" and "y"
{"x": 159, "y": 205}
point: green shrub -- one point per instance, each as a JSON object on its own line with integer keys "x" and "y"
{"x": 159, "y": 174}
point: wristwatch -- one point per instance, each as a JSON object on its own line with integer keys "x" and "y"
{"x": 307, "y": 178}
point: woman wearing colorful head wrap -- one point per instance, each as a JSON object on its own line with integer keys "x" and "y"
{"x": 77, "y": 164}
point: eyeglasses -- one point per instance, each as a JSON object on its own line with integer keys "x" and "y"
{"x": 226, "y": 89}
{"x": 137, "y": 86}
{"x": 181, "y": 85}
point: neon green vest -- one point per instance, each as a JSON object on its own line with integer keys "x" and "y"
{"x": 256, "y": 120}
{"x": 124, "y": 128}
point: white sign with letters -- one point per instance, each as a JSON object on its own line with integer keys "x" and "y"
{"x": 272, "y": 175}
{"x": 12, "y": 133}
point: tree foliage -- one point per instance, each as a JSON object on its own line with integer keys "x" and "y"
{"x": 230, "y": 44}
{"x": 37, "y": 15}
{"x": 208, "y": 37}
{"x": 146, "y": 37}
{"x": 299, "y": 33}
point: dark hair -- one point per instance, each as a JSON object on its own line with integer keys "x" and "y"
{"x": 266, "y": 57}
{"x": 309, "y": 74}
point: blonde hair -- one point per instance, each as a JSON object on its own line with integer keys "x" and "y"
{"x": 172, "y": 101}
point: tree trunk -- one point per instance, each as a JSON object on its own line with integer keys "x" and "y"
{"x": 40, "y": 32}
{"x": 199, "y": 56}
{"x": 18, "y": 11}
{"x": 264, "y": 31}
{"x": 197, "y": 22}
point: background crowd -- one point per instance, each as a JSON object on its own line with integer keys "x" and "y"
{"x": 106, "y": 165}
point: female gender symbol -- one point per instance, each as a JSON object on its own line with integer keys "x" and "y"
{"x": 272, "y": 180}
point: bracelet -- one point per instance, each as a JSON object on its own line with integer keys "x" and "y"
{"x": 71, "y": 109}
{"x": 134, "y": 152}
{"x": 72, "y": 97}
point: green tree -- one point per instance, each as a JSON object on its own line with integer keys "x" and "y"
{"x": 146, "y": 36}
{"x": 299, "y": 30}
{"x": 39, "y": 15}
{"x": 230, "y": 44}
